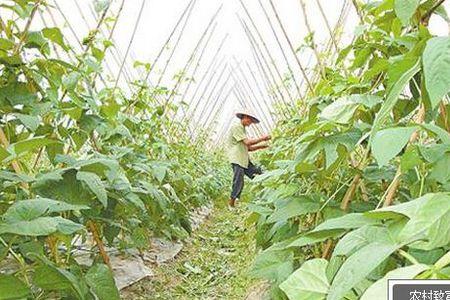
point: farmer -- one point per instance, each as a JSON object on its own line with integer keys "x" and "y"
{"x": 238, "y": 146}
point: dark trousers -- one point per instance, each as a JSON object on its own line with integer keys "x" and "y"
{"x": 238, "y": 177}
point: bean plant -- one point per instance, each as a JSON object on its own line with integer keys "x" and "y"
{"x": 359, "y": 186}
{"x": 81, "y": 162}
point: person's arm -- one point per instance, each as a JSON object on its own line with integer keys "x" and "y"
{"x": 256, "y": 147}
{"x": 251, "y": 142}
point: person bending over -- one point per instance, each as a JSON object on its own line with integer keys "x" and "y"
{"x": 238, "y": 147}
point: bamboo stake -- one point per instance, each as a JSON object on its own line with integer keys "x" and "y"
{"x": 327, "y": 24}
{"x": 277, "y": 71}
{"x": 258, "y": 88}
{"x": 205, "y": 89}
{"x": 213, "y": 89}
{"x": 194, "y": 72}
{"x": 311, "y": 33}
{"x": 183, "y": 27}
{"x": 155, "y": 61}
{"x": 258, "y": 52}
{"x": 266, "y": 81}
{"x": 248, "y": 86}
{"x": 288, "y": 65}
{"x": 215, "y": 102}
{"x": 247, "y": 95}
{"x": 291, "y": 47}
{"x": 189, "y": 61}
{"x": 210, "y": 67}
{"x": 208, "y": 123}
{"x": 194, "y": 103}
{"x": 136, "y": 25}
{"x": 98, "y": 241}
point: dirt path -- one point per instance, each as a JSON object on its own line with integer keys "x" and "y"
{"x": 212, "y": 265}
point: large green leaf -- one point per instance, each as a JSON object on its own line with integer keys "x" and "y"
{"x": 62, "y": 185}
{"x": 17, "y": 93}
{"x": 30, "y": 144}
{"x": 429, "y": 219}
{"x": 273, "y": 265}
{"x": 31, "y": 122}
{"x": 356, "y": 239}
{"x": 12, "y": 288}
{"x": 443, "y": 135}
{"x": 95, "y": 185}
{"x": 348, "y": 221}
{"x": 358, "y": 266}
{"x": 393, "y": 95}
{"x": 100, "y": 279}
{"x": 26, "y": 210}
{"x": 436, "y": 65}
{"x": 49, "y": 277}
{"x": 54, "y": 34}
{"x": 404, "y": 9}
{"x": 293, "y": 207}
{"x": 431, "y": 222}
{"x": 41, "y": 226}
{"x": 342, "y": 110}
{"x": 378, "y": 290}
{"x": 309, "y": 282}
{"x": 440, "y": 170}
{"x": 387, "y": 143}
{"x": 313, "y": 238}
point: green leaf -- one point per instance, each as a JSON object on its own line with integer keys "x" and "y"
{"x": 309, "y": 282}
{"x": 41, "y": 226}
{"x": 430, "y": 221}
{"x": 31, "y": 122}
{"x": 377, "y": 291}
{"x": 30, "y": 144}
{"x": 355, "y": 240}
{"x": 348, "y": 221}
{"x": 63, "y": 185}
{"x": 440, "y": 170}
{"x": 408, "y": 209}
{"x": 6, "y": 44}
{"x": 404, "y": 9}
{"x": 392, "y": 98}
{"x": 358, "y": 266}
{"x": 17, "y": 93}
{"x": 12, "y": 288}
{"x": 443, "y": 135}
{"x": 49, "y": 277}
{"x": 95, "y": 184}
{"x": 54, "y": 34}
{"x": 26, "y": 210}
{"x": 389, "y": 142}
{"x": 70, "y": 81}
{"x": 436, "y": 65}
{"x": 273, "y": 265}
{"x": 15, "y": 177}
{"x": 100, "y": 279}
{"x": 342, "y": 110}
{"x": 410, "y": 159}
{"x": 294, "y": 206}
{"x": 314, "y": 238}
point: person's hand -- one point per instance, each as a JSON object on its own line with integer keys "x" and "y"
{"x": 266, "y": 137}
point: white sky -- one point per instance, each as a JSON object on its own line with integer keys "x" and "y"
{"x": 159, "y": 18}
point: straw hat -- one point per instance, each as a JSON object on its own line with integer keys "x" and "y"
{"x": 246, "y": 112}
